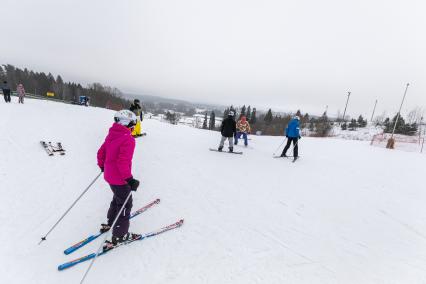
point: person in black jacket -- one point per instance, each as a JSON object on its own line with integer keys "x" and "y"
{"x": 228, "y": 129}
{"x": 6, "y": 92}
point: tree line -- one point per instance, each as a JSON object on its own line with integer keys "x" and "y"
{"x": 40, "y": 83}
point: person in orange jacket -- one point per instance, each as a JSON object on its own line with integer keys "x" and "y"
{"x": 243, "y": 128}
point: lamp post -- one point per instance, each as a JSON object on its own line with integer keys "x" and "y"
{"x": 347, "y": 101}
{"x": 391, "y": 141}
{"x": 374, "y": 109}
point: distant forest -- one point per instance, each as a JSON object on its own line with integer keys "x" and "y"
{"x": 39, "y": 83}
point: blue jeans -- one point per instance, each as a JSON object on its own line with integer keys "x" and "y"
{"x": 238, "y": 136}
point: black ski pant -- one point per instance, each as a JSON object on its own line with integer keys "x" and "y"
{"x": 6, "y": 94}
{"x": 120, "y": 194}
{"x": 295, "y": 148}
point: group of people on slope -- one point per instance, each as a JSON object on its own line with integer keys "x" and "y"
{"x": 233, "y": 131}
{"x": 6, "y": 92}
{"x": 115, "y": 155}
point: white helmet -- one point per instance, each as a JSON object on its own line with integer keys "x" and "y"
{"x": 125, "y": 117}
{"x": 296, "y": 117}
{"x": 231, "y": 113}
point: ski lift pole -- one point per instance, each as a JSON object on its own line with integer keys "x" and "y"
{"x": 399, "y": 112}
{"x": 347, "y": 101}
{"x": 374, "y": 110}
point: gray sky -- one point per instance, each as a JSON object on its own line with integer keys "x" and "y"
{"x": 282, "y": 54}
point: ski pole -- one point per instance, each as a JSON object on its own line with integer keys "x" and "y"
{"x": 72, "y": 205}
{"x": 279, "y": 147}
{"x": 106, "y": 236}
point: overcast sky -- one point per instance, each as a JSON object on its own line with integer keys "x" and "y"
{"x": 282, "y": 54}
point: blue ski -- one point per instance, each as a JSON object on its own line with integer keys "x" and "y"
{"x": 87, "y": 240}
{"x": 92, "y": 255}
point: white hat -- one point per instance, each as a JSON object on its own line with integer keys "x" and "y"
{"x": 125, "y": 117}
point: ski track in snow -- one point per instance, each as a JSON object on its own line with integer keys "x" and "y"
{"x": 345, "y": 212}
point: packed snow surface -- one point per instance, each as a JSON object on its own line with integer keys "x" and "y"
{"x": 345, "y": 212}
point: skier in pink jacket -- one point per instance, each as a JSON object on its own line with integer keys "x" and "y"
{"x": 21, "y": 93}
{"x": 115, "y": 161}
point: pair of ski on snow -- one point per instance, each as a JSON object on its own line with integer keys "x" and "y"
{"x": 93, "y": 237}
{"x": 286, "y": 157}
{"x": 52, "y": 149}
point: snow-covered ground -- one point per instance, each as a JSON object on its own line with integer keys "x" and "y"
{"x": 346, "y": 212}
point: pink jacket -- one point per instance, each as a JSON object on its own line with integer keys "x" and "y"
{"x": 116, "y": 153}
{"x": 20, "y": 90}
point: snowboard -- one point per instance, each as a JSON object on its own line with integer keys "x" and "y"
{"x": 234, "y": 152}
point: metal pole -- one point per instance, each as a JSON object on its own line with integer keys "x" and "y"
{"x": 399, "y": 112}
{"x": 106, "y": 236}
{"x": 374, "y": 110}
{"x": 347, "y": 101}
{"x": 72, "y": 205}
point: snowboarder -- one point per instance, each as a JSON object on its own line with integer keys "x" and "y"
{"x": 228, "y": 129}
{"x": 292, "y": 132}
{"x": 6, "y": 92}
{"x": 243, "y": 128}
{"x": 115, "y": 161}
{"x": 137, "y": 110}
{"x": 21, "y": 93}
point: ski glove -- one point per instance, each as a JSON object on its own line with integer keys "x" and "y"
{"x": 102, "y": 169}
{"x": 300, "y": 137}
{"x": 134, "y": 183}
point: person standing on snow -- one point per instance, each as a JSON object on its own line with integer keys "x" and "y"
{"x": 6, "y": 91}
{"x": 292, "y": 132}
{"x": 228, "y": 129}
{"x": 137, "y": 110}
{"x": 115, "y": 161}
{"x": 21, "y": 93}
{"x": 243, "y": 128}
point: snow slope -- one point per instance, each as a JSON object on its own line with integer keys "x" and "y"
{"x": 345, "y": 213}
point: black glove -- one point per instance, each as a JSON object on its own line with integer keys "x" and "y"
{"x": 300, "y": 137}
{"x": 134, "y": 183}
{"x": 286, "y": 136}
{"x": 102, "y": 169}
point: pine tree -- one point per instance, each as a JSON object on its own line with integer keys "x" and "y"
{"x": 305, "y": 120}
{"x": 268, "y": 117}
{"x": 361, "y": 122}
{"x": 344, "y": 126}
{"x": 323, "y": 126}
{"x": 248, "y": 115}
{"x": 253, "y": 118}
{"x": 212, "y": 123}
{"x": 205, "y": 121}
{"x": 353, "y": 124}
{"x": 2, "y": 75}
{"x": 243, "y": 111}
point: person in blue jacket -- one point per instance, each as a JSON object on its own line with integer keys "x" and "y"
{"x": 292, "y": 132}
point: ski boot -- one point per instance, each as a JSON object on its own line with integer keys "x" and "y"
{"x": 220, "y": 148}
{"x": 127, "y": 237}
{"x": 104, "y": 228}
{"x": 231, "y": 149}
{"x": 115, "y": 241}
{"x": 283, "y": 155}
